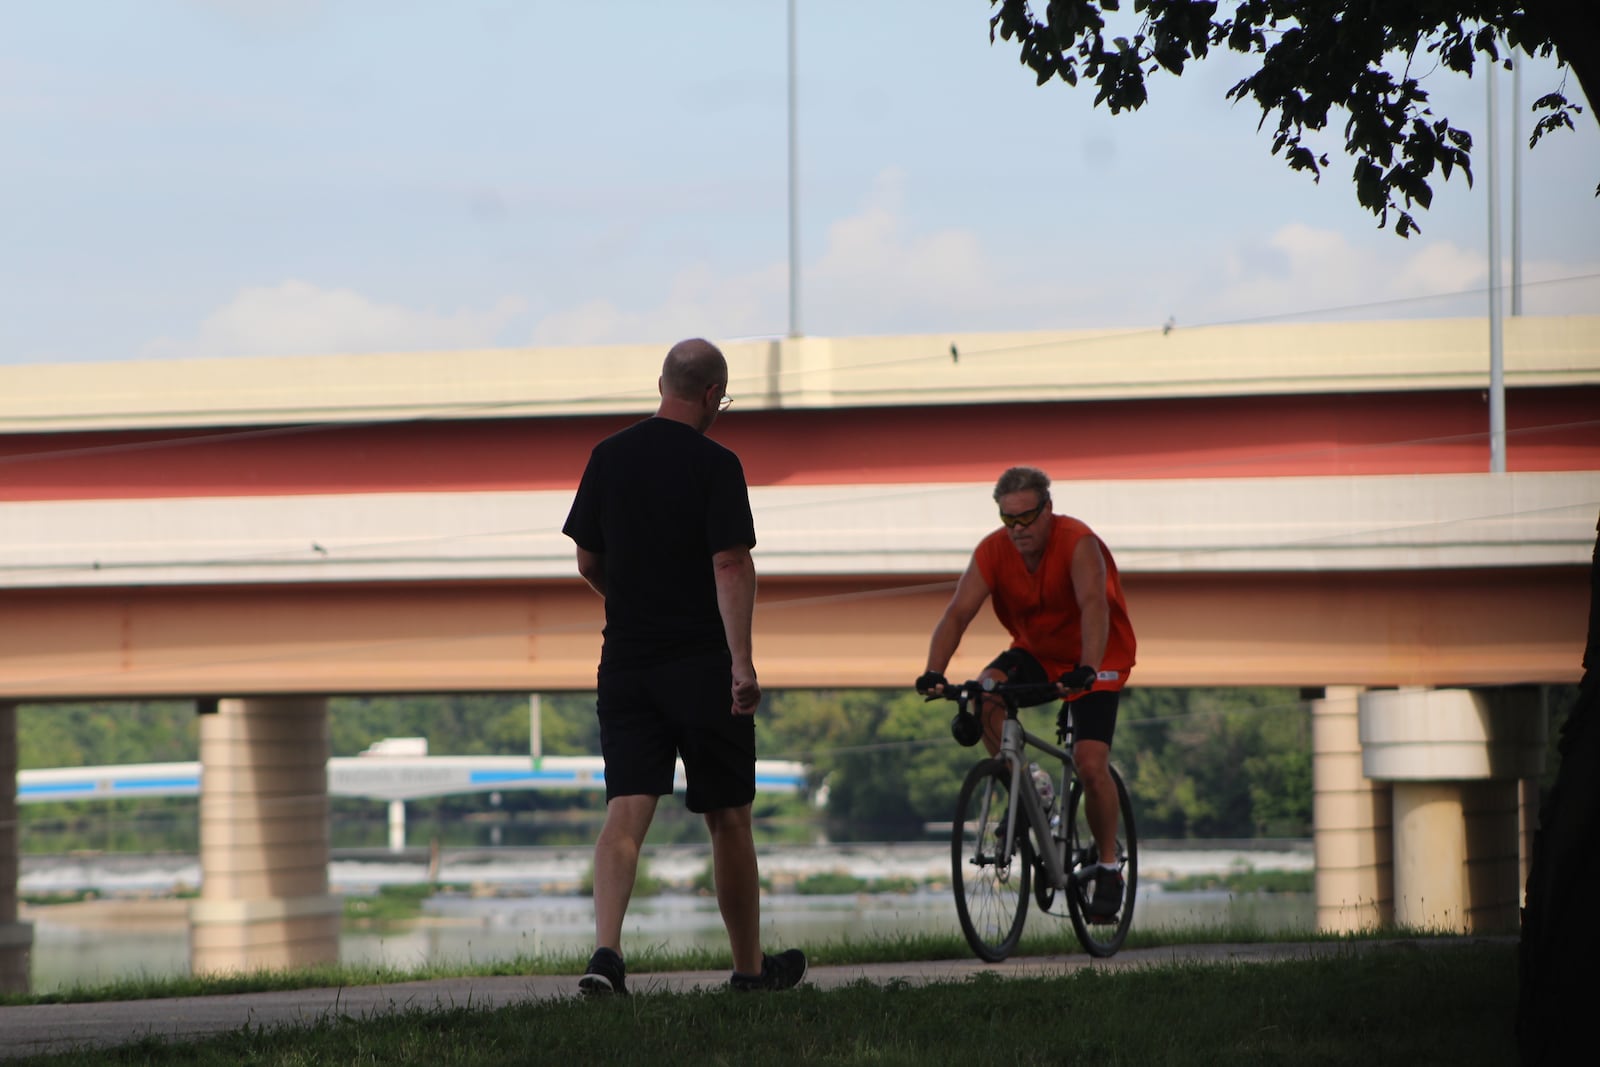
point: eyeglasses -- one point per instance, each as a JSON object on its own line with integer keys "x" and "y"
{"x": 725, "y": 403}
{"x": 1025, "y": 518}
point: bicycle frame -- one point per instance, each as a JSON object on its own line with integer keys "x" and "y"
{"x": 995, "y": 866}
{"x": 1014, "y": 742}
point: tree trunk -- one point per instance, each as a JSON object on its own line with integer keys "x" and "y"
{"x": 1560, "y": 925}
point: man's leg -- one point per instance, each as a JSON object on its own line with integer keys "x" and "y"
{"x": 738, "y": 884}
{"x": 993, "y": 712}
{"x": 616, "y": 863}
{"x": 1099, "y": 795}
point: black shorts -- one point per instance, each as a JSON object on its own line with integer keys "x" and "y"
{"x": 1094, "y": 714}
{"x": 652, "y": 716}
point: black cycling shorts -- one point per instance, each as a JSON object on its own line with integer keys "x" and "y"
{"x": 652, "y": 716}
{"x": 1094, "y": 714}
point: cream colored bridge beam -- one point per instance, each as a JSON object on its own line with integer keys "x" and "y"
{"x": 1456, "y": 762}
{"x": 1351, "y": 834}
{"x": 16, "y": 938}
{"x": 264, "y": 839}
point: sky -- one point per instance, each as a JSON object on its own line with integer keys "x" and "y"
{"x": 223, "y": 178}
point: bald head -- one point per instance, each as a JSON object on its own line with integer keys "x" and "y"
{"x": 692, "y": 367}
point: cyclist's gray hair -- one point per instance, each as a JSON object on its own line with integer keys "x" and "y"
{"x": 1021, "y": 480}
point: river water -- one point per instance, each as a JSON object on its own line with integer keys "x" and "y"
{"x": 523, "y": 901}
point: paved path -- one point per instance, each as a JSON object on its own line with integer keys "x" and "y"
{"x": 42, "y": 1028}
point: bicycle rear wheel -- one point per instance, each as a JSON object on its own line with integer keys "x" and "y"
{"x": 991, "y": 890}
{"x": 1101, "y": 936}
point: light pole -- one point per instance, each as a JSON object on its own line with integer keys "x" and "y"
{"x": 794, "y": 192}
{"x": 1497, "y": 384}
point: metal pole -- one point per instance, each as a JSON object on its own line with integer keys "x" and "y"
{"x": 1497, "y": 385}
{"x": 794, "y": 191}
{"x": 1516, "y": 187}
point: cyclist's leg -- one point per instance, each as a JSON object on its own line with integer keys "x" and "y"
{"x": 1011, "y": 666}
{"x": 1094, "y": 717}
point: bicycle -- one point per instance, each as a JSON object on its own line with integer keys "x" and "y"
{"x": 998, "y": 806}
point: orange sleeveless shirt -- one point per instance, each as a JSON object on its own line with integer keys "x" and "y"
{"x": 1040, "y": 609}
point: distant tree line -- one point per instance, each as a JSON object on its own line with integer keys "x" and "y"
{"x": 1201, "y": 762}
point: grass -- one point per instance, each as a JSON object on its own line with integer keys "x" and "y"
{"x": 1398, "y": 1005}
{"x": 828, "y": 883}
{"x": 389, "y": 906}
{"x": 1244, "y": 880}
{"x": 1041, "y": 938}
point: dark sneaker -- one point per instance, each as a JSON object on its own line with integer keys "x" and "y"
{"x": 783, "y": 971}
{"x": 1107, "y": 901}
{"x": 606, "y": 974}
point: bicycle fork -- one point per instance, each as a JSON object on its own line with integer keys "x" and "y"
{"x": 1054, "y": 865}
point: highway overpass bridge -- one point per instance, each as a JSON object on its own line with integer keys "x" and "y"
{"x": 1302, "y": 505}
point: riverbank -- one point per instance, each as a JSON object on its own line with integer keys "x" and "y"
{"x": 561, "y": 869}
{"x": 496, "y": 906}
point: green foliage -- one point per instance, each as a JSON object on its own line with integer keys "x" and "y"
{"x": 829, "y": 883}
{"x": 1317, "y": 58}
{"x": 885, "y": 757}
{"x": 94, "y": 735}
{"x": 839, "y": 883}
{"x": 1200, "y": 762}
{"x": 1244, "y": 880}
{"x": 1216, "y": 762}
{"x": 389, "y": 905}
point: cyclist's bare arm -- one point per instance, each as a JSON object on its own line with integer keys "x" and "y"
{"x": 971, "y": 592}
{"x": 1089, "y": 583}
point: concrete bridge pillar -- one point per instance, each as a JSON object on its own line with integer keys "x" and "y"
{"x": 1351, "y": 820}
{"x": 1456, "y": 760}
{"x": 264, "y": 900}
{"x": 16, "y": 938}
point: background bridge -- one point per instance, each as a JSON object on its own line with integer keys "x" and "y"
{"x": 1302, "y": 505}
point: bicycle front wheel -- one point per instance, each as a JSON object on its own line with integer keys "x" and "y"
{"x": 991, "y": 889}
{"x": 1101, "y": 935}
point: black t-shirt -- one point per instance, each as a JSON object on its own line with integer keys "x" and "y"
{"x": 658, "y": 500}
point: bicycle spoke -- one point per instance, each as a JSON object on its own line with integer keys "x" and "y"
{"x": 1101, "y": 935}
{"x": 991, "y": 888}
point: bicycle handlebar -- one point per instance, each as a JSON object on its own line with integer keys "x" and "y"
{"x": 972, "y": 689}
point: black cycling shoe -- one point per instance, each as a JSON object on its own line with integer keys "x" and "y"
{"x": 1107, "y": 899}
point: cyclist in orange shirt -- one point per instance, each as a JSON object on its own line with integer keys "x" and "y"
{"x": 1055, "y": 589}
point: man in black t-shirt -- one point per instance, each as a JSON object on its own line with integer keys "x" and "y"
{"x": 663, "y": 531}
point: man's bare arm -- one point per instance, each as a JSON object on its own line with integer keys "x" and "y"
{"x": 1089, "y": 582}
{"x": 971, "y": 592}
{"x": 735, "y": 573}
{"x": 592, "y": 566}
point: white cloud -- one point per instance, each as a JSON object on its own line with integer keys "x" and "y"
{"x": 876, "y": 276}
{"x": 297, "y": 318}
{"x": 1302, "y": 270}
{"x": 873, "y": 275}
{"x": 698, "y": 303}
